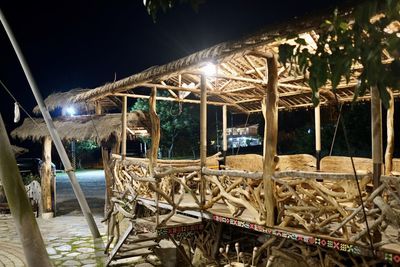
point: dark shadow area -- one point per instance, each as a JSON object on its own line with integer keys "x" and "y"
{"x": 71, "y": 206}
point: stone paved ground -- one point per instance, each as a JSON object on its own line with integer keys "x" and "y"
{"x": 67, "y": 238}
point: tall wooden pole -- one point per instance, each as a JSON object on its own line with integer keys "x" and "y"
{"x": 203, "y": 134}
{"x": 124, "y": 122}
{"x": 53, "y": 133}
{"x": 390, "y": 136}
{"x": 317, "y": 115}
{"x": 224, "y": 131}
{"x": 27, "y": 228}
{"x": 46, "y": 179}
{"x": 270, "y": 138}
{"x": 376, "y": 130}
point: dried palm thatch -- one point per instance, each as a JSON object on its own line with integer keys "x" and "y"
{"x": 18, "y": 150}
{"x": 93, "y": 127}
{"x": 63, "y": 99}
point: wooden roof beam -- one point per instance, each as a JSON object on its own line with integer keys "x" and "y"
{"x": 251, "y": 63}
{"x": 191, "y": 101}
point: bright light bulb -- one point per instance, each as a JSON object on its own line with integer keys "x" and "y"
{"x": 209, "y": 69}
{"x": 71, "y": 111}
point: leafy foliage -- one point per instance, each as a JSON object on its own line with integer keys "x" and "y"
{"x": 153, "y": 6}
{"x": 341, "y": 44}
{"x": 177, "y": 121}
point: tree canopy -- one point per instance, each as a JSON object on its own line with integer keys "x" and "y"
{"x": 177, "y": 121}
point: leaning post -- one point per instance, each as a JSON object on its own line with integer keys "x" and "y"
{"x": 53, "y": 133}
{"x": 20, "y": 207}
{"x": 270, "y": 137}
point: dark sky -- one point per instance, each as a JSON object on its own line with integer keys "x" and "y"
{"x": 70, "y": 44}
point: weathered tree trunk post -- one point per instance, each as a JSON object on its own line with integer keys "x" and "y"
{"x": 124, "y": 122}
{"x": 317, "y": 115}
{"x": 390, "y": 136}
{"x": 203, "y": 135}
{"x": 270, "y": 137}
{"x": 376, "y": 129}
{"x": 46, "y": 179}
{"x": 224, "y": 131}
{"x": 28, "y": 230}
{"x": 155, "y": 141}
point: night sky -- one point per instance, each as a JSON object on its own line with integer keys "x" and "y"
{"x": 70, "y": 44}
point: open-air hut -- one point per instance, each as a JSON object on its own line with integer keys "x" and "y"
{"x": 105, "y": 129}
{"x": 318, "y": 207}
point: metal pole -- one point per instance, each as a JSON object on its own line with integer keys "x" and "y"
{"x": 53, "y": 132}
{"x": 21, "y": 209}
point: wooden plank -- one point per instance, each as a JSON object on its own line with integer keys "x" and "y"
{"x": 142, "y": 237}
{"x": 119, "y": 244}
{"x": 138, "y": 245}
{"x": 134, "y": 253}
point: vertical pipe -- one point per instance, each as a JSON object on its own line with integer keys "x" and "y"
{"x": 203, "y": 133}
{"x": 21, "y": 209}
{"x": 224, "y": 131}
{"x": 317, "y": 115}
{"x": 53, "y": 132}
{"x": 376, "y": 134}
{"x": 124, "y": 122}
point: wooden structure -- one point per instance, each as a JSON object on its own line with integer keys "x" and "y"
{"x": 299, "y": 198}
{"x": 104, "y": 129}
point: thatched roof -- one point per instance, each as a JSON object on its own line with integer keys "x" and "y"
{"x": 94, "y": 127}
{"x": 64, "y": 99}
{"x": 241, "y": 73}
{"x": 18, "y": 150}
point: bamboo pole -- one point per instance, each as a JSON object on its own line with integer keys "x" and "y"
{"x": 124, "y": 122}
{"x": 20, "y": 207}
{"x": 270, "y": 137}
{"x": 224, "y": 131}
{"x": 390, "y": 136}
{"x": 317, "y": 115}
{"x": 53, "y": 133}
{"x": 46, "y": 179}
{"x": 376, "y": 130}
{"x": 203, "y": 133}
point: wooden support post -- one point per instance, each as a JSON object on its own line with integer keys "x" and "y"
{"x": 203, "y": 134}
{"x": 20, "y": 207}
{"x": 270, "y": 138}
{"x": 224, "y": 131}
{"x": 124, "y": 122}
{"x": 376, "y": 129}
{"x": 317, "y": 115}
{"x": 390, "y": 136}
{"x": 155, "y": 142}
{"x": 46, "y": 179}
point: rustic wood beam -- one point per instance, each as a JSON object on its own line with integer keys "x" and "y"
{"x": 251, "y": 63}
{"x": 224, "y": 131}
{"x": 317, "y": 120}
{"x": 203, "y": 135}
{"x": 124, "y": 124}
{"x": 376, "y": 133}
{"x": 229, "y": 77}
{"x": 390, "y": 135}
{"x": 155, "y": 130}
{"x": 46, "y": 179}
{"x": 270, "y": 138}
{"x": 192, "y": 101}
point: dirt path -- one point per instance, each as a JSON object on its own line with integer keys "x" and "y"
{"x": 93, "y": 186}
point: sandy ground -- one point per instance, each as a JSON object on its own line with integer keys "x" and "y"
{"x": 93, "y": 185}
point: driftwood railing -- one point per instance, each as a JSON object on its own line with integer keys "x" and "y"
{"x": 325, "y": 204}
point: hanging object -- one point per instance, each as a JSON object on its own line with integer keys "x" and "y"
{"x": 17, "y": 114}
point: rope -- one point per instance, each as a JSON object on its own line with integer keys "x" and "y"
{"x": 336, "y": 128}
{"x": 355, "y": 177}
{"x": 16, "y": 101}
